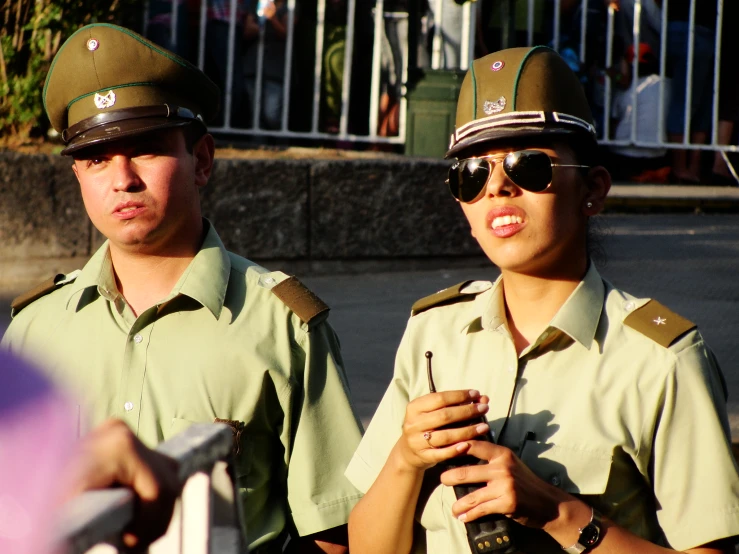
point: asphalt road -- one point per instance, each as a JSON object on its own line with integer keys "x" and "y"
{"x": 688, "y": 262}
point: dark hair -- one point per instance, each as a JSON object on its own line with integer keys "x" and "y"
{"x": 193, "y": 133}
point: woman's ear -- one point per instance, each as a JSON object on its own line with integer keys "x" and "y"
{"x": 598, "y": 182}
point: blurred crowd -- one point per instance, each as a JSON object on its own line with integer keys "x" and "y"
{"x": 640, "y": 104}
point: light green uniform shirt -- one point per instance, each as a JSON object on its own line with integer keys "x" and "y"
{"x": 221, "y": 345}
{"x": 638, "y": 429}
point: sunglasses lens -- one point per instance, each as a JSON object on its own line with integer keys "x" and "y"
{"x": 529, "y": 169}
{"x": 467, "y": 178}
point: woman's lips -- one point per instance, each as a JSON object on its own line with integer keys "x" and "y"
{"x": 505, "y": 221}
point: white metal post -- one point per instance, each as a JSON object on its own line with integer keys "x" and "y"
{"x": 376, "y": 55}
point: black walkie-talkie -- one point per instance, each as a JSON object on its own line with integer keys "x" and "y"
{"x": 490, "y": 533}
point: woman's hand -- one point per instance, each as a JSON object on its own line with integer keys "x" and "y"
{"x": 428, "y": 433}
{"x": 512, "y": 489}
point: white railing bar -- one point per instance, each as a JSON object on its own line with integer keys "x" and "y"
{"x": 635, "y": 69}
{"x": 662, "y": 72}
{"x": 403, "y": 90}
{"x": 376, "y": 55}
{"x": 689, "y": 79}
{"x": 346, "y": 79}
{"x": 717, "y": 71}
{"x": 437, "y": 42}
{"x": 230, "y": 66}
{"x": 730, "y": 165}
{"x": 530, "y": 23}
{"x": 310, "y": 135}
{"x": 609, "y": 63}
{"x": 201, "y": 32}
{"x": 287, "y": 77}
{"x": 473, "y": 33}
{"x": 257, "y": 100}
{"x": 466, "y": 48}
{"x": 96, "y": 516}
{"x": 583, "y": 29}
{"x": 557, "y": 17}
{"x": 464, "y": 43}
{"x": 671, "y": 145}
{"x": 318, "y": 66}
{"x": 173, "y": 26}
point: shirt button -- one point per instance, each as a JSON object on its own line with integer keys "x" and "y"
{"x": 511, "y": 369}
{"x": 137, "y": 338}
{"x": 629, "y": 306}
{"x": 555, "y": 480}
{"x": 128, "y": 406}
{"x": 269, "y": 280}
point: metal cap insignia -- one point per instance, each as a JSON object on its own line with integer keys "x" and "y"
{"x": 106, "y": 101}
{"x": 491, "y": 108}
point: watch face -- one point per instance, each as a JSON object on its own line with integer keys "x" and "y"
{"x": 589, "y": 535}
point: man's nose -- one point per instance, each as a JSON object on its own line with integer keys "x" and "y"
{"x": 125, "y": 176}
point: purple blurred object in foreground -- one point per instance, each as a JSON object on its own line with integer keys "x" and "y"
{"x": 36, "y": 438}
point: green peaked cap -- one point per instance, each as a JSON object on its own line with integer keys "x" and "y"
{"x": 516, "y": 93}
{"x": 107, "y": 82}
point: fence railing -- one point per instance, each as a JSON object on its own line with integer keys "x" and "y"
{"x": 207, "y": 516}
{"x": 449, "y": 36}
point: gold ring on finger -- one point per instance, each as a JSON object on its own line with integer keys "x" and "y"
{"x": 427, "y": 436}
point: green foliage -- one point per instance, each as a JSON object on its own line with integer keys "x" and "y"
{"x": 32, "y": 32}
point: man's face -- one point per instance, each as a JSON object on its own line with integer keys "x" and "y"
{"x": 539, "y": 234}
{"x": 142, "y": 192}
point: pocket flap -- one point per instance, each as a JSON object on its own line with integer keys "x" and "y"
{"x": 575, "y": 470}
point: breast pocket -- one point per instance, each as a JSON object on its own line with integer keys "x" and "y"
{"x": 574, "y": 470}
{"x": 241, "y": 448}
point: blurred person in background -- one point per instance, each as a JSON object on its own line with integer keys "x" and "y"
{"x": 686, "y": 164}
{"x": 273, "y": 23}
{"x": 216, "y": 56}
{"x": 639, "y": 163}
{"x": 728, "y": 114}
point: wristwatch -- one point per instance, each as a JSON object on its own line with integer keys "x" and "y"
{"x": 590, "y": 535}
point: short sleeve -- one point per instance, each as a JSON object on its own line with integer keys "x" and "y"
{"x": 385, "y": 428}
{"x": 324, "y": 433}
{"x": 695, "y": 477}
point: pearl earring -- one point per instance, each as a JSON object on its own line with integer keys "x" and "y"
{"x": 589, "y": 205}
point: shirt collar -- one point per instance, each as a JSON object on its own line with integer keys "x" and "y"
{"x": 205, "y": 280}
{"x": 578, "y": 317}
{"x": 580, "y": 314}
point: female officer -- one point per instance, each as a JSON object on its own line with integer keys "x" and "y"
{"x": 605, "y": 414}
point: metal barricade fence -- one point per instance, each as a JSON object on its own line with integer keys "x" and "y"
{"x": 466, "y": 35}
{"x": 207, "y": 517}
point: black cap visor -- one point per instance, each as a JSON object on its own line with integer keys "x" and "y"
{"x": 120, "y": 124}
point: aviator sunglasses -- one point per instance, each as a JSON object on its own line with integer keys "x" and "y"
{"x": 530, "y": 170}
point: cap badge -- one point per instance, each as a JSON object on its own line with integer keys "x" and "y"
{"x": 491, "y": 108}
{"x": 497, "y": 65}
{"x": 93, "y": 44}
{"x": 106, "y": 101}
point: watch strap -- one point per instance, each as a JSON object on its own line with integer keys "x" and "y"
{"x": 593, "y": 530}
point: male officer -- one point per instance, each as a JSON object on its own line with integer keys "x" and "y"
{"x": 164, "y": 327}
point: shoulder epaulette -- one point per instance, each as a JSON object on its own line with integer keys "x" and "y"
{"x": 659, "y": 323}
{"x": 457, "y": 293}
{"x": 41, "y": 290}
{"x": 301, "y": 300}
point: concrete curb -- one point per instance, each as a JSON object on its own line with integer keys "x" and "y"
{"x": 627, "y": 197}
